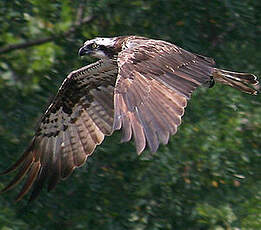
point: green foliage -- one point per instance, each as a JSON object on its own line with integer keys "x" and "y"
{"x": 207, "y": 177}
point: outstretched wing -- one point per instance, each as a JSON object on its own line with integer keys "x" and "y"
{"x": 155, "y": 81}
{"x": 76, "y": 121}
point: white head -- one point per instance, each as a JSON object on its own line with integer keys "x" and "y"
{"x": 98, "y": 47}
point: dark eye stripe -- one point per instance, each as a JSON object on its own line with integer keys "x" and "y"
{"x": 108, "y": 51}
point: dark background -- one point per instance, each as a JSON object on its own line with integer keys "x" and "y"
{"x": 207, "y": 177}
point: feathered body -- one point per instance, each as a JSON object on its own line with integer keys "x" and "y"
{"x": 139, "y": 85}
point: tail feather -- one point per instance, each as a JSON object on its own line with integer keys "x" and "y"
{"x": 244, "y": 82}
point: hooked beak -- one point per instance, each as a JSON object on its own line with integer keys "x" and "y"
{"x": 83, "y": 51}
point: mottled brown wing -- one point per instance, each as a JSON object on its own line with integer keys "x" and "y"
{"x": 155, "y": 81}
{"x": 76, "y": 121}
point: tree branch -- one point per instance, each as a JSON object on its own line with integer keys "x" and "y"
{"x": 221, "y": 36}
{"x": 40, "y": 41}
{"x": 25, "y": 44}
{"x": 79, "y": 14}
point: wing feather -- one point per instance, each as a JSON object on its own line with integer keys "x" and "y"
{"x": 28, "y": 161}
{"x": 67, "y": 155}
{"x": 155, "y": 81}
{"x": 138, "y": 133}
{"x": 32, "y": 175}
{"x": 76, "y": 122}
{"x": 55, "y": 167}
{"x": 149, "y": 129}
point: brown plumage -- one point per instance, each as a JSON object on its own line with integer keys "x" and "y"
{"x": 140, "y": 86}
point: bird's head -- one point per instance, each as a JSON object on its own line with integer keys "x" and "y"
{"x": 99, "y": 48}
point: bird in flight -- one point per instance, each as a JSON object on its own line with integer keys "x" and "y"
{"x": 138, "y": 85}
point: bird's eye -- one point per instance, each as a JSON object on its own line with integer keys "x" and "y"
{"x": 94, "y": 46}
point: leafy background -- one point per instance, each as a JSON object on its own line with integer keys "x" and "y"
{"x": 207, "y": 177}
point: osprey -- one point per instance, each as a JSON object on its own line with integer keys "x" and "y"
{"x": 139, "y": 85}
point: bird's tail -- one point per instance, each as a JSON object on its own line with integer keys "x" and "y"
{"x": 244, "y": 82}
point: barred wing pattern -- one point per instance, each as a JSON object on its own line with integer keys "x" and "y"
{"x": 151, "y": 91}
{"x": 76, "y": 121}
